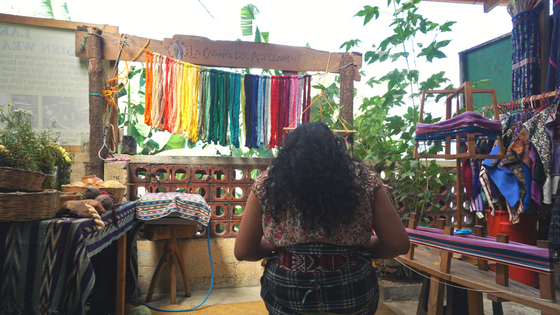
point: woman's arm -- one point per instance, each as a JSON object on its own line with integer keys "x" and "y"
{"x": 249, "y": 243}
{"x": 391, "y": 238}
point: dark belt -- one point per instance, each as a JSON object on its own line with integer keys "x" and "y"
{"x": 318, "y": 263}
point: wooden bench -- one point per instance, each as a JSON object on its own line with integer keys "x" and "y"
{"x": 477, "y": 279}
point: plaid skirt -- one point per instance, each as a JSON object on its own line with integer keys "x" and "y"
{"x": 349, "y": 291}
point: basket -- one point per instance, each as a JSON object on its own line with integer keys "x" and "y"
{"x": 29, "y": 206}
{"x": 66, "y": 196}
{"x": 73, "y": 189}
{"x": 117, "y": 192}
{"x": 18, "y": 179}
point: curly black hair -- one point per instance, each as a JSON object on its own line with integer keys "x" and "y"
{"x": 315, "y": 174}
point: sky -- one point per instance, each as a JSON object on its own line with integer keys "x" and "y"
{"x": 323, "y": 25}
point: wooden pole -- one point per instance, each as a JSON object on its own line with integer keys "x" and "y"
{"x": 94, "y": 47}
{"x": 347, "y": 69}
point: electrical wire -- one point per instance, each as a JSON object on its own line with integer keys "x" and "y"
{"x": 207, "y": 295}
{"x": 205, "y": 8}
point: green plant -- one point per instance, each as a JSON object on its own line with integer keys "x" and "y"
{"x": 386, "y": 138}
{"x": 151, "y": 141}
{"x": 23, "y": 147}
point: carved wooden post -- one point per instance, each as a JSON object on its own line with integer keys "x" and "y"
{"x": 412, "y": 222}
{"x": 347, "y": 70}
{"x": 502, "y": 271}
{"x": 481, "y": 232}
{"x": 546, "y": 281}
{"x": 94, "y": 48}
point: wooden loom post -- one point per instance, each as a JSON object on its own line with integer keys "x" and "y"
{"x": 412, "y": 223}
{"x": 502, "y": 270}
{"x": 347, "y": 69}
{"x": 94, "y": 46}
{"x": 437, "y": 285}
{"x": 459, "y": 220}
{"x": 481, "y": 232}
{"x": 546, "y": 281}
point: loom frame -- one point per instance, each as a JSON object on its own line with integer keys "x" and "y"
{"x": 467, "y": 91}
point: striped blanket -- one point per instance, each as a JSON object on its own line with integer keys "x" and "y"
{"x": 187, "y": 206}
{"x": 514, "y": 254}
{"x": 45, "y": 265}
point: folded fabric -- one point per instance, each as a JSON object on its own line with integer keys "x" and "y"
{"x": 187, "y": 206}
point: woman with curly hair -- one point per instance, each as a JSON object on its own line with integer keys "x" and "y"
{"x": 314, "y": 208}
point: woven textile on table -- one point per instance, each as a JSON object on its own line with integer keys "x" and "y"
{"x": 187, "y": 206}
{"x": 514, "y": 254}
{"x": 45, "y": 265}
{"x": 525, "y": 42}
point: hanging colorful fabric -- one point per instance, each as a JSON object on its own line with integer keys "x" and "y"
{"x": 179, "y": 92}
{"x": 224, "y": 108}
{"x": 259, "y": 112}
{"x": 212, "y": 107}
{"x": 149, "y": 87}
{"x": 307, "y": 99}
{"x": 158, "y": 95}
{"x": 208, "y": 103}
{"x": 248, "y": 108}
{"x": 525, "y": 40}
{"x": 172, "y": 114}
{"x": 193, "y": 136}
{"x": 163, "y": 125}
{"x": 273, "y": 112}
{"x": 254, "y": 112}
{"x": 235, "y": 84}
{"x": 267, "y": 111}
{"x": 201, "y": 127}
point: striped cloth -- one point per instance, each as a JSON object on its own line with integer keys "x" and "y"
{"x": 187, "y": 206}
{"x": 349, "y": 291}
{"x": 514, "y": 254}
{"x": 45, "y": 265}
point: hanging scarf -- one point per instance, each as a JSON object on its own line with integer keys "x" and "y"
{"x": 260, "y": 112}
{"x": 207, "y": 103}
{"x": 307, "y": 101}
{"x": 193, "y": 96}
{"x": 254, "y": 114}
{"x": 179, "y": 94}
{"x": 187, "y": 99}
{"x": 171, "y": 116}
{"x": 235, "y": 88}
{"x": 212, "y": 107}
{"x": 273, "y": 112}
{"x": 299, "y": 100}
{"x": 224, "y": 109}
{"x": 201, "y": 128}
{"x": 267, "y": 111}
{"x": 149, "y": 87}
{"x": 248, "y": 108}
{"x": 158, "y": 96}
{"x": 164, "y": 125}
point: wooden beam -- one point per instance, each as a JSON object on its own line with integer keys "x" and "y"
{"x": 231, "y": 54}
{"x": 491, "y": 4}
{"x": 502, "y": 270}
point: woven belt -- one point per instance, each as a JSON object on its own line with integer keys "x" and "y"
{"x": 318, "y": 263}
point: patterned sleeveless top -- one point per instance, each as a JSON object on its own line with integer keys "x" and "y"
{"x": 290, "y": 231}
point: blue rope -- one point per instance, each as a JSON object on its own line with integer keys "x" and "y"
{"x": 207, "y": 295}
{"x": 254, "y": 96}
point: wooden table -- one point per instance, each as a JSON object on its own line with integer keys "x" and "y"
{"x": 46, "y": 264}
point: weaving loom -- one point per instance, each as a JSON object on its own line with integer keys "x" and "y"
{"x": 476, "y": 281}
{"x": 466, "y": 128}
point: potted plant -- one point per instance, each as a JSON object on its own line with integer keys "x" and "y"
{"x": 26, "y": 155}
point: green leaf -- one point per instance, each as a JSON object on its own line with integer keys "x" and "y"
{"x": 265, "y": 36}
{"x": 142, "y": 129}
{"x": 46, "y": 9}
{"x": 351, "y": 43}
{"x": 248, "y": 15}
{"x": 152, "y": 144}
{"x": 258, "y": 36}
{"x": 368, "y": 13}
{"x": 176, "y": 142}
{"x": 446, "y": 27}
